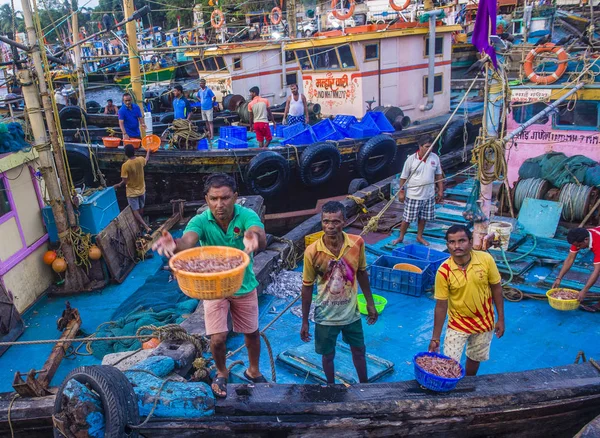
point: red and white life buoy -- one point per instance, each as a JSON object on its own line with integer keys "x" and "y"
{"x": 397, "y": 8}
{"x": 546, "y": 79}
{"x": 276, "y": 15}
{"x": 338, "y": 14}
{"x": 213, "y": 19}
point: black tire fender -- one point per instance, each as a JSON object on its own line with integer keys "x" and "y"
{"x": 453, "y": 138}
{"x": 357, "y": 184}
{"x": 93, "y": 107}
{"x": 319, "y": 163}
{"x": 72, "y": 117}
{"x": 375, "y": 155}
{"x": 267, "y": 162}
{"x": 167, "y": 118}
{"x": 119, "y": 401}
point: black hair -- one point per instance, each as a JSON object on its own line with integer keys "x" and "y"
{"x": 334, "y": 207}
{"x": 129, "y": 150}
{"x": 217, "y": 180}
{"x": 126, "y": 94}
{"x": 109, "y": 100}
{"x": 577, "y": 235}
{"x": 424, "y": 139}
{"x": 255, "y": 90}
{"x": 178, "y": 87}
{"x": 457, "y": 229}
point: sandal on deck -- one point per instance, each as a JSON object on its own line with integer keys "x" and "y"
{"x": 592, "y": 309}
{"x": 221, "y": 383}
{"x": 259, "y": 379}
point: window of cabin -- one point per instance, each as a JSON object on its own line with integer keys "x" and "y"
{"x": 221, "y": 63}
{"x": 289, "y": 56}
{"x": 582, "y": 115}
{"x": 303, "y": 59}
{"x": 345, "y": 55}
{"x": 324, "y": 58}
{"x": 291, "y": 78}
{"x": 523, "y": 112}
{"x": 199, "y": 64}
{"x": 371, "y": 52}
{"x": 237, "y": 63}
{"x": 437, "y": 84}
{"x": 210, "y": 64}
{"x": 4, "y": 202}
{"x": 439, "y": 46}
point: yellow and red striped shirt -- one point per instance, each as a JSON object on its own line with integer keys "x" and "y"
{"x": 468, "y": 292}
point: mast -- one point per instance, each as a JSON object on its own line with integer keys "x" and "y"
{"x": 77, "y": 55}
{"x": 134, "y": 59}
{"x": 291, "y": 18}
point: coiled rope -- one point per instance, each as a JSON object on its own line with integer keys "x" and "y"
{"x": 530, "y": 188}
{"x": 489, "y": 156}
{"x": 184, "y": 130}
{"x": 574, "y": 199}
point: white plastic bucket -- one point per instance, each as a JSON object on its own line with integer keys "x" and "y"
{"x": 502, "y": 232}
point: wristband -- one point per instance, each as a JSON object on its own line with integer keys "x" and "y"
{"x": 435, "y": 340}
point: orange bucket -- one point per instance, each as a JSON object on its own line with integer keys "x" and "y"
{"x": 151, "y": 142}
{"x": 135, "y": 142}
{"x": 111, "y": 142}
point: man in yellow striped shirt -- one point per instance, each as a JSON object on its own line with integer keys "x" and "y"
{"x": 465, "y": 286}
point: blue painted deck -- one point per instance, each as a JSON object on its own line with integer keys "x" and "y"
{"x": 536, "y": 335}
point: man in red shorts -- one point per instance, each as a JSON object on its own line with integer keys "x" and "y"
{"x": 260, "y": 114}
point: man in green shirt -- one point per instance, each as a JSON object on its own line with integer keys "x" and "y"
{"x": 226, "y": 224}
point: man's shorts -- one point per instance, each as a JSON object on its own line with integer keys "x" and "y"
{"x": 478, "y": 345}
{"x": 263, "y": 132}
{"x": 326, "y": 336}
{"x": 244, "y": 314}
{"x": 419, "y": 209}
{"x": 293, "y": 120}
{"x": 207, "y": 115}
{"x": 137, "y": 202}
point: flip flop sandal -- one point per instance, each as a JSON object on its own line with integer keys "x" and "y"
{"x": 259, "y": 379}
{"x": 221, "y": 383}
{"x": 592, "y": 309}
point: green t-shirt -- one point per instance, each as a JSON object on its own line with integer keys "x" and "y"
{"x": 210, "y": 234}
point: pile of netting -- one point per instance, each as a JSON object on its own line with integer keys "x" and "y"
{"x": 559, "y": 170}
{"x": 12, "y": 138}
{"x": 158, "y": 302}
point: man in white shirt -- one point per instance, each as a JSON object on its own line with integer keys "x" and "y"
{"x": 418, "y": 194}
{"x": 61, "y": 100}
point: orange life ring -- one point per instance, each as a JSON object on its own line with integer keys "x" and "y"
{"x": 213, "y": 22}
{"x": 277, "y": 11}
{"x": 337, "y": 14}
{"x": 397, "y": 8}
{"x": 542, "y": 78}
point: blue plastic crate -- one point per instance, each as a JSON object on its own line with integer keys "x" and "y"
{"x": 291, "y": 130}
{"x": 431, "y": 381}
{"x": 378, "y": 119}
{"x": 422, "y": 252}
{"x": 384, "y": 277}
{"x": 279, "y": 131}
{"x": 233, "y": 132}
{"x": 232, "y": 143}
{"x": 305, "y": 137}
{"x": 343, "y": 123}
{"x": 363, "y": 130}
{"x": 202, "y": 144}
{"x": 325, "y": 130}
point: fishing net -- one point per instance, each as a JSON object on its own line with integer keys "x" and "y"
{"x": 12, "y": 138}
{"x": 559, "y": 169}
{"x": 158, "y": 302}
{"x": 473, "y": 212}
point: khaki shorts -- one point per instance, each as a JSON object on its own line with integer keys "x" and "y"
{"x": 478, "y": 345}
{"x": 244, "y": 314}
{"x": 207, "y": 115}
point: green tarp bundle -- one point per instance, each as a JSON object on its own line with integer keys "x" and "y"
{"x": 559, "y": 169}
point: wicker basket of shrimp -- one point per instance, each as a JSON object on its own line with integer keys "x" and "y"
{"x": 563, "y": 299}
{"x": 209, "y": 272}
{"x": 437, "y": 372}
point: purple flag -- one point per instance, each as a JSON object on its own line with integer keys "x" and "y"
{"x": 485, "y": 25}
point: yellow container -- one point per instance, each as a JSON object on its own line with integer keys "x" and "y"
{"x": 564, "y": 305}
{"x": 210, "y": 286}
{"x": 311, "y": 238}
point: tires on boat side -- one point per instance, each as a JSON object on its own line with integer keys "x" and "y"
{"x": 357, "y": 184}
{"x": 115, "y": 393}
{"x": 93, "y": 107}
{"x": 375, "y": 155}
{"x": 268, "y": 174}
{"x": 72, "y": 117}
{"x": 454, "y": 137}
{"x": 319, "y": 163}
{"x": 167, "y": 118}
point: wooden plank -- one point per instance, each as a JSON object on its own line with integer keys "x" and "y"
{"x": 117, "y": 242}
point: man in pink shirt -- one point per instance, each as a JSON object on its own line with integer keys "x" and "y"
{"x": 260, "y": 114}
{"x": 581, "y": 238}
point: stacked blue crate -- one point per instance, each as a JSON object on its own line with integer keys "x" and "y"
{"x": 378, "y": 119}
{"x": 326, "y": 130}
{"x": 342, "y": 124}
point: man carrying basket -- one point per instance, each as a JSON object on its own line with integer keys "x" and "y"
{"x": 226, "y": 224}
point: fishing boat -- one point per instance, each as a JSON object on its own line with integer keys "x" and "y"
{"x": 149, "y": 75}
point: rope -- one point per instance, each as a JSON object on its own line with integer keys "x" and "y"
{"x": 528, "y": 188}
{"x": 16, "y": 396}
{"x": 174, "y": 332}
{"x": 271, "y": 359}
{"x": 489, "y": 154}
{"x": 291, "y": 260}
{"x": 186, "y": 131}
{"x": 574, "y": 197}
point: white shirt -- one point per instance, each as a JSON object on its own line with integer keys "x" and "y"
{"x": 60, "y": 98}
{"x": 422, "y": 182}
